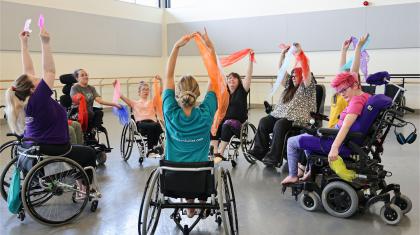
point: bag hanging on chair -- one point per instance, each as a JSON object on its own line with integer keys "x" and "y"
{"x": 13, "y": 198}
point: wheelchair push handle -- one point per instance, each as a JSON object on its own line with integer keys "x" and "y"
{"x": 319, "y": 116}
{"x": 19, "y": 137}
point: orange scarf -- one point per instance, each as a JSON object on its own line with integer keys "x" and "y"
{"x": 217, "y": 80}
{"x": 235, "y": 57}
{"x": 157, "y": 98}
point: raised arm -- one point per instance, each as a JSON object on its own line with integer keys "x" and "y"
{"x": 343, "y": 54}
{"x": 213, "y": 55}
{"x": 281, "y": 60}
{"x": 126, "y": 100}
{"x": 308, "y": 79}
{"x": 48, "y": 66}
{"x": 28, "y": 66}
{"x": 356, "y": 61}
{"x": 104, "y": 102}
{"x": 168, "y": 80}
{"x": 247, "y": 81}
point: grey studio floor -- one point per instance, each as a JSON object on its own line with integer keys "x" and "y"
{"x": 262, "y": 208}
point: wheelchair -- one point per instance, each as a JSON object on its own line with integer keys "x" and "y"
{"x": 93, "y": 137}
{"x": 50, "y": 186}
{"x": 245, "y": 141}
{"x": 342, "y": 198}
{"x": 171, "y": 182}
{"x": 316, "y": 122}
{"x": 131, "y": 135}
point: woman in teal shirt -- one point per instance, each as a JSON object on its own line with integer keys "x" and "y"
{"x": 187, "y": 125}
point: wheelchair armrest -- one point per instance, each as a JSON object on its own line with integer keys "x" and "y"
{"x": 334, "y": 132}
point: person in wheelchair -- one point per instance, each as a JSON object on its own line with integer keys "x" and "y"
{"x": 82, "y": 87}
{"x": 144, "y": 113}
{"x": 236, "y": 114}
{"x": 32, "y": 111}
{"x": 346, "y": 84}
{"x": 296, "y": 103}
{"x": 187, "y": 126}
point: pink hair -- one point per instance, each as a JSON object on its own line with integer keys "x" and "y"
{"x": 344, "y": 79}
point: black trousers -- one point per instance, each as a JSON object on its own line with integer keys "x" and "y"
{"x": 267, "y": 125}
{"x": 96, "y": 120}
{"x": 151, "y": 129}
{"x": 85, "y": 156}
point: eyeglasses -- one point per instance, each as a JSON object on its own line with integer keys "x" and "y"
{"x": 341, "y": 91}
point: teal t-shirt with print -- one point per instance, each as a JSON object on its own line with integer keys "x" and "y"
{"x": 188, "y": 137}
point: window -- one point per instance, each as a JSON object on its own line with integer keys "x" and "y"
{"x": 150, "y": 3}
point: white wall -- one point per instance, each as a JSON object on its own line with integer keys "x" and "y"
{"x": 96, "y": 65}
{"x": 322, "y": 63}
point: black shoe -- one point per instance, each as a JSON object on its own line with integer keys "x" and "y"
{"x": 101, "y": 128}
{"x": 255, "y": 155}
{"x": 269, "y": 162}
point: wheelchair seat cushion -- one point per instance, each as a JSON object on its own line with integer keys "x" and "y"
{"x": 187, "y": 184}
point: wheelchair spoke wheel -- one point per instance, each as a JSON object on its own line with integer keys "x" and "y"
{"x": 340, "y": 199}
{"x": 127, "y": 141}
{"x": 6, "y": 177}
{"x": 52, "y": 192}
{"x": 9, "y": 145}
{"x": 150, "y": 206}
{"x": 223, "y": 199}
{"x": 231, "y": 203}
{"x": 248, "y": 132}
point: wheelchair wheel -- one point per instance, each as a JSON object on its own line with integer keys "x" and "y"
{"x": 248, "y": 132}
{"x": 310, "y": 201}
{"x": 150, "y": 205}
{"x": 233, "y": 150}
{"x": 9, "y": 144}
{"x": 127, "y": 141}
{"x": 49, "y": 190}
{"x": 403, "y": 202}
{"x": 224, "y": 203}
{"x": 231, "y": 202}
{"x": 391, "y": 214}
{"x": 6, "y": 177}
{"x": 340, "y": 199}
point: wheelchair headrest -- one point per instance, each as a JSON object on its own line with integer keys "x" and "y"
{"x": 371, "y": 110}
{"x": 379, "y": 78}
{"x": 68, "y": 79}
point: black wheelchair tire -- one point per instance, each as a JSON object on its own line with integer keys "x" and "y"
{"x": 145, "y": 204}
{"x": 3, "y": 182}
{"x": 39, "y": 168}
{"x": 245, "y": 146}
{"x": 126, "y": 147}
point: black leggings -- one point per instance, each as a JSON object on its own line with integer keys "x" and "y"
{"x": 96, "y": 120}
{"x": 152, "y": 130}
{"x": 279, "y": 127}
{"x": 85, "y": 156}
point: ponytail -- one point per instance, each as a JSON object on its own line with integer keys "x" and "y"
{"x": 15, "y": 112}
{"x": 16, "y": 99}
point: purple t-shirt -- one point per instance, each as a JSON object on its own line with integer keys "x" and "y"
{"x": 46, "y": 119}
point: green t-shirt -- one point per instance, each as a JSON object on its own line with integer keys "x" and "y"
{"x": 188, "y": 138}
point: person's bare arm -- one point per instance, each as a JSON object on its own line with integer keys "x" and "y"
{"x": 342, "y": 133}
{"x": 27, "y": 64}
{"x": 248, "y": 78}
{"x": 48, "y": 66}
{"x": 343, "y": 54}
{"x": 169, "y": 80}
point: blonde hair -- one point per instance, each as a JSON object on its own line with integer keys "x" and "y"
{"x": 16, "y": 99}
{"x": 187, "y": 91}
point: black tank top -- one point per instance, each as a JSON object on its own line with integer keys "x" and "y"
{"x": 237, "y": 108}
